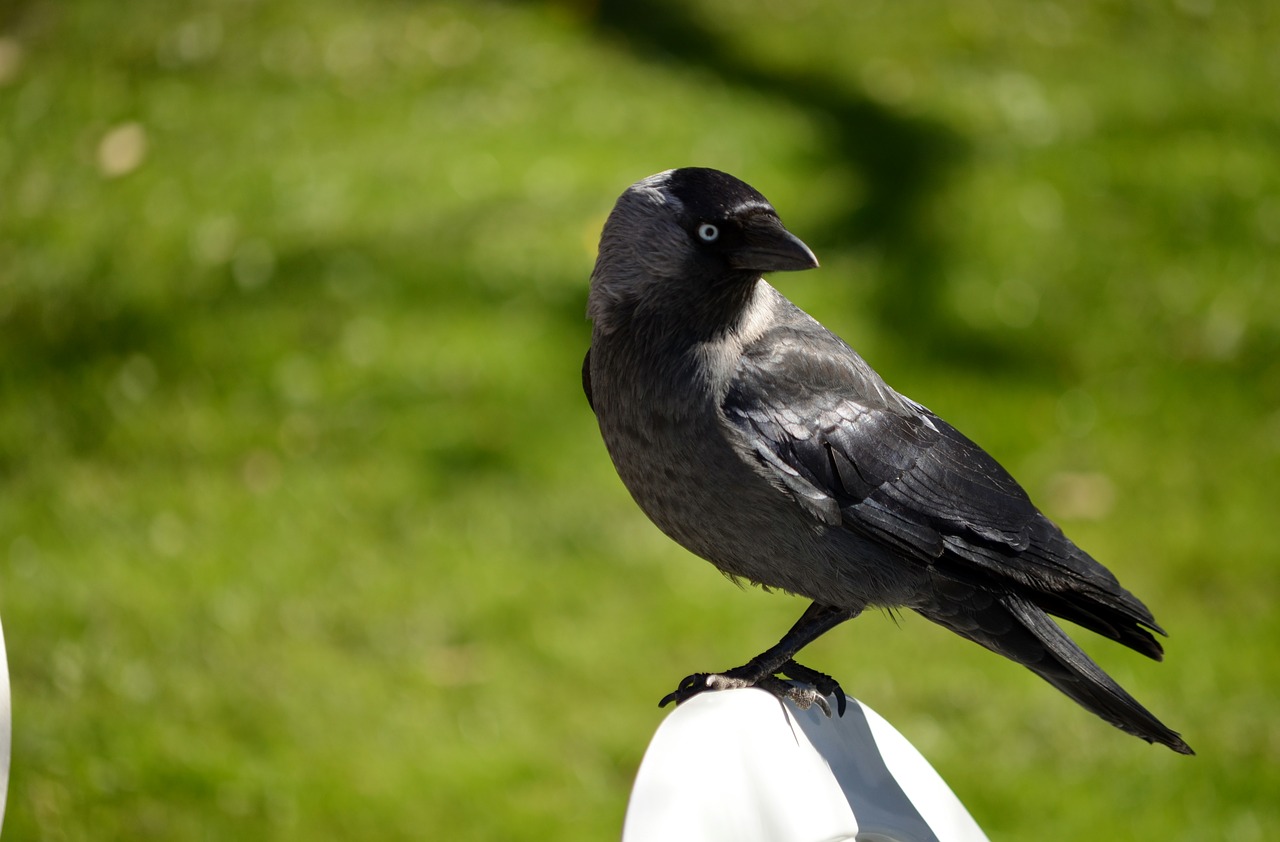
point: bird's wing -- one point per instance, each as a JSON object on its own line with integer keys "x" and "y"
{"x": 812, "y": 410}
{"x": 852, "y": 451}
{"x": 586, "y": 379}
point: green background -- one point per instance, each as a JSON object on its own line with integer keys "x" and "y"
{"x": 306, "y": 531}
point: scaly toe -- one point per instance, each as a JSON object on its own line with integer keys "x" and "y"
{"x": 824, "y": 684}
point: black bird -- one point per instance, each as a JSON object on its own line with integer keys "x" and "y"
{"x": 759, "y": 440}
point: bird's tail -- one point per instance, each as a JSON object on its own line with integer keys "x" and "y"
{"x": 1012, "y": 626}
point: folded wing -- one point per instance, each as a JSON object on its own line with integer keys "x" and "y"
{"x": 855, "y": 453}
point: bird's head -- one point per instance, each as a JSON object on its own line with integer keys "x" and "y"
{"x": 691, "y": 241}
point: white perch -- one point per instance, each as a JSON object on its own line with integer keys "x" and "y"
{"x": 740, "y": 765}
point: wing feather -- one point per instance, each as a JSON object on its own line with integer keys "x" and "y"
{"x": 854, "y": 452}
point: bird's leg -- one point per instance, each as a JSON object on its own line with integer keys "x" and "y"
{"x": 763, "y": 670}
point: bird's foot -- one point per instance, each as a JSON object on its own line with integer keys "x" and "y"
{"x": 823, "y": 684}
{"x": 816, "y": 686}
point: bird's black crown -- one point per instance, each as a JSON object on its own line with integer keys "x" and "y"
{"x": 711, "y": 194}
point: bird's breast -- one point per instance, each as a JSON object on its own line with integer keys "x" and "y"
{"x": 672, "y": 449}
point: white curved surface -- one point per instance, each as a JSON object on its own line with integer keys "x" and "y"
{"x": 740, "y": 765}
{"x": 5, "y": 728}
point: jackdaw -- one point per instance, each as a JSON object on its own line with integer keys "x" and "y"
{"x": 759, "y": 440}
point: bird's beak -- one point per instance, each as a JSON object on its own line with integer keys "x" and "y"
{"x": 768, "y": 247}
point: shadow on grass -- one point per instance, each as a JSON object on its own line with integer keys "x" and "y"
{"x": 904, "y": 162}
{"x": 901, "y": 160}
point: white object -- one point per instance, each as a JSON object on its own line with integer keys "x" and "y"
{"x": 740, "y": 765}
{"x": 5, "y": 731}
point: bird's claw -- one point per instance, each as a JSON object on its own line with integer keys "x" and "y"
{"x": 701, "y": 682}
{"x": 803, "y": 696}
{"x": 824, "y": 684}
{"x": 819, "y": 686}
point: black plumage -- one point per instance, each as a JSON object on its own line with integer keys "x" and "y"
{"x": 761, "y": 441}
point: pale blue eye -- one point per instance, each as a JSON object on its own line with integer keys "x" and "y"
{"x": 708, "y": 232}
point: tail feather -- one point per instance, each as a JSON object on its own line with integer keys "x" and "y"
{"x": 1012, "y": 626}
{"x": 1068, "y": 668}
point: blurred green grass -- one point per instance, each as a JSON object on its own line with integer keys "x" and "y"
{"x": 306, "y": 530}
